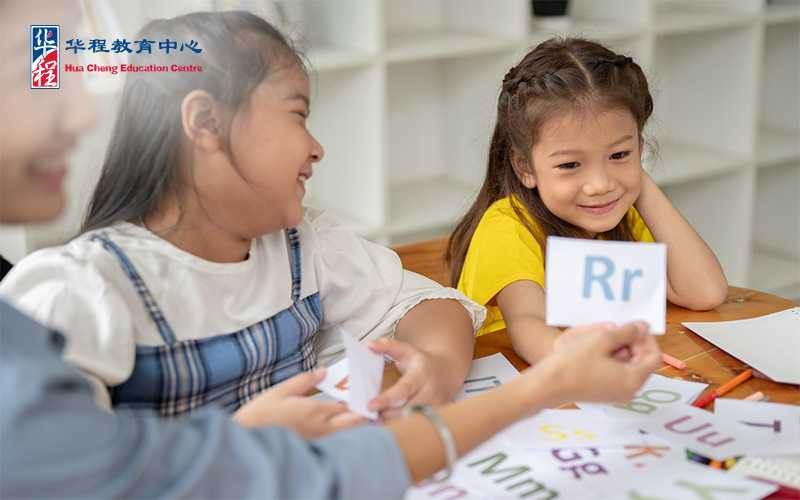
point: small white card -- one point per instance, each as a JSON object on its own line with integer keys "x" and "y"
{"x": 705, "y": 433}
{"x": 558, "y": 429}
{"x": 658, "y": 394}
{"x": 589, "y": 281}
{"x": 782, "y": 420}
{"x": 356, "y": 379}
{"x": 486, "y": 373}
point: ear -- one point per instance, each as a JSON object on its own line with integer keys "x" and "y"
{"x": 202, "y": 121}
{"x": 523, "y": 169}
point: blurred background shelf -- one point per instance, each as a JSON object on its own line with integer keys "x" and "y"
{"x": 421, "y": 46}
{"x": 404, "y": 95}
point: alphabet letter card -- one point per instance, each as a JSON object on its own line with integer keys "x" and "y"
{"x": 588, "y": 281}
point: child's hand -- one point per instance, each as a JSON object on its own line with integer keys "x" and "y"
{"x": 286, "y": 404}
{"x": 418, "y": 383}
{"x": 586, "y": 366}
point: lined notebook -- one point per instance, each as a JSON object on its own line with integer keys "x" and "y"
{"x": 770, "y": 344}
{"x": 780, "y": 470}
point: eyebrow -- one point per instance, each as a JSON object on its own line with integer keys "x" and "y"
{"x": 576, "y": 151}
{"x": 299, "y": 96}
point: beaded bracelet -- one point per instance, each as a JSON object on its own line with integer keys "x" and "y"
{"x": 450, "y": 453}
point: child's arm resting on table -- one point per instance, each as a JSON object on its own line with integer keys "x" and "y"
{"x": 522, "y": 304}
{"x": 366, "y": 293}
{"x": 432, "y": 349}
{"x": 695, "y": 279}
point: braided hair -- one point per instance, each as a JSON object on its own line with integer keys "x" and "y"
{"x": 558, "y": 77}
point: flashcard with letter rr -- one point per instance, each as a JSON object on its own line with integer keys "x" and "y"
{"x": 589, "y": 281}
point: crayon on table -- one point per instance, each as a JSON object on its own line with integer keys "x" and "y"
{"x": 727, "y": 386}
{"x": 700, "y": 459}
{"x": 756, "y": 396}
{"x": 729, "y": 462}
{"x": 677, "y": 363}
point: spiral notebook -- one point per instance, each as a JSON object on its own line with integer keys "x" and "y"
{"x": 780, "y": 470}
{"x": 769, "y": 344}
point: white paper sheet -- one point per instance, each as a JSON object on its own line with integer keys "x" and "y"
{"x": 486, "y": 373}
{"x": 658, "y": 394}
{"x": 705, "y": 433}
{"x": 692, "y": 481}
{"x": 500, "y": 471}
{"x": 559, "y": 429}
{"x": 366, "y": 375}
{"x": 588, "y": 281}
{"x": 336, "y": 384}
{"x": 780, "y": 419}
{"x": 770, "y": 344}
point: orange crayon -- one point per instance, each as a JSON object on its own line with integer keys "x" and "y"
{"x": 723, "y": 389}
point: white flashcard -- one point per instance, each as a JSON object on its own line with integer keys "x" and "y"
{"x": 366, "y": 375}
{"x": 336, "y": 383}
{"x": 355, "y": 379}
{"x": 782, "y": 420}
{"x": 705, "y": 433}
{"x": 486, "y": 373}
{"x": 657, "y": 395}
{"x": 559, "y": 429}
{"x": 497, "y": 470}
{"x": 693, "y": 481}
{"x": 589, "y": 281}
{"x": 657, "y": 452}
{"x": 425, "y": 490}
{"x": 604, "y": 470}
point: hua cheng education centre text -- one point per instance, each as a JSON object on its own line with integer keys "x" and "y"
{"x": 130, "y": 68}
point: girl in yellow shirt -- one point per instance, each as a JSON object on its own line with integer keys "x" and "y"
{"x": 565, "y": 160}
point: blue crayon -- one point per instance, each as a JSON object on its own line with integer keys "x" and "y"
{"x": 700, "y": 459}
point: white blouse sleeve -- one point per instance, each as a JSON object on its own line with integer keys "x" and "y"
{"x": 65, "y": 290}
{"x": 364, "y": 289}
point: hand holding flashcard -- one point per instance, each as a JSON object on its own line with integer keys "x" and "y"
{"x": 590, "y": 281}
{"x": 356, "y": 379}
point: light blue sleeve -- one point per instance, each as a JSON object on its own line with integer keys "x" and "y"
{"x": 57, "y": 443}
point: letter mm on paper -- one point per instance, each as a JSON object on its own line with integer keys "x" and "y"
{"x": 589, "y": 281}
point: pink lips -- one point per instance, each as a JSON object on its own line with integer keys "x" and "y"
{"x": 52, "y": 180}
{"x": 600, "y": 209}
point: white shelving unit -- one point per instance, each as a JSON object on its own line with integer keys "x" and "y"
{"x": 404, "y": 93}
{"x": 776, "y": 230}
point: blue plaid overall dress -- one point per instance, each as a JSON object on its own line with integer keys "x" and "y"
{"x": 226, "y": 370}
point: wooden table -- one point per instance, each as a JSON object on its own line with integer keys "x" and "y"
{"x": 704, "y": 361}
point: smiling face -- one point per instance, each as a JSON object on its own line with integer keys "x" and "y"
{"x": 587, "y": 168}
{"x": 38, "y": 127}
{"x": 273, "y": 152}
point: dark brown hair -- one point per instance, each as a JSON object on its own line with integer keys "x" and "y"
{"x": 557, "y": 77}
{"x": 238, "y": 51}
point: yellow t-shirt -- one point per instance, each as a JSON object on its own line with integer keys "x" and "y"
{"x": 503, "y": 251}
